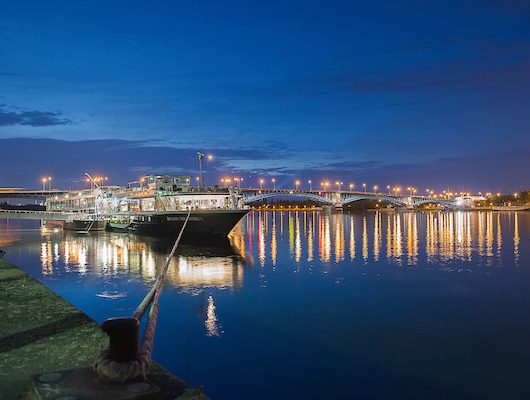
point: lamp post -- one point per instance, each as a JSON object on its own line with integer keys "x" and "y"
{"x": 351, "y": 187}
{"x": 261, "y": 182}
{"x": 43, "y": 180}
{"x": 200, "y": 156}
{"x": 364, "y": 186}
{"x": 375, "y": 189}
{"x": 310, "y": 187}
{"x": 273, "y": 183}
{"x": 388, "y": 187}
{"x": 296, "y": 184}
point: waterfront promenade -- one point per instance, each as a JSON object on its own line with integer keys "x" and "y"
{"x": 40, "y": 333}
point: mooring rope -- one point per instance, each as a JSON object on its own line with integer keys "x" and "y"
{"x": 149, "y": 333}
{"x": 124, "y": 371}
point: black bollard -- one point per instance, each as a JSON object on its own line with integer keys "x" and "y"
{"x": 123, "y": 334}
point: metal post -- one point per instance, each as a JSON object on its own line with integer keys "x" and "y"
{"x": 201, "y": 177}
{"x": 123, "y": 334}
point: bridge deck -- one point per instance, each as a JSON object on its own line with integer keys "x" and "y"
{"x": 46, "y": 215}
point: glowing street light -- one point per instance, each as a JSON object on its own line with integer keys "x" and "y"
{"x": 351, "y": 187}
{"x": 388, "y": 188}
{"x": 364, "y": 186}
{"x": 43, "y": 180}
{"x": 200, "y": 157}
{"x": 338, "y": 183}
{"x": 310, "y": 187}
{"x": 375, "y": 188}
{"x": 273, "y": 183}
{"x": 261, "y": 182}
{"x": 296, "y": 184}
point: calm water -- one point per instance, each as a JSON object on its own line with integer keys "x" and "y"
{"x": 306, "y": 305}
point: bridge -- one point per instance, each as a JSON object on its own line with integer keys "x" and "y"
{"x": 334, "y": 198}
{"x": 340, "y": 199}
{"x": 16, "y": 193}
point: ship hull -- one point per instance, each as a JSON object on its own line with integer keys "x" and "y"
{"x": 85, "y": 226}
{"x": 201, "y": 224}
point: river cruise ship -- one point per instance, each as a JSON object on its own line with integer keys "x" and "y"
{"x": 154, "y": 209}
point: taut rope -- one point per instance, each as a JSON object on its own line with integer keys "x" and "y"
{"x": 124, "y": 371}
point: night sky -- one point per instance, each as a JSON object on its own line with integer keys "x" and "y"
{"x": 426, "y": 93}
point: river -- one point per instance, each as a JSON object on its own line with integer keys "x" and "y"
{"x": 400, "y": 305}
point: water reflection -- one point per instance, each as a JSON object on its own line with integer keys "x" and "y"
{"x": 193, "y": 268}
{"x": 404, "y": 237}
{"x": 212, "y": 323}
{"x": 272, "y": 238}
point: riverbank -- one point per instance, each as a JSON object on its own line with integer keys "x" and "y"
{"x": 41, "y": 332}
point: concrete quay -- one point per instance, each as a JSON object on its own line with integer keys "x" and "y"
{"x": 41, "y": 333}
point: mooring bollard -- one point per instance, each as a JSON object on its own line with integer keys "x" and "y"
{"x": 123, "y": 334}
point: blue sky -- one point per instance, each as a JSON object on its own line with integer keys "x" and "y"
{"x": 424, "y": 93}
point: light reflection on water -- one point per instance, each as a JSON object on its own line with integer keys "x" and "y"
{"x": 393, "y": 299}
{"x": 402, "y": 237}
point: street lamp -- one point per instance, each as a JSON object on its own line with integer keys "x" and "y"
{"x": 43, "y": 180}
{"x": 273, "y": 183}
{"x": 375, "y": 188}
{"x": 309, "y": 182}
{"x": 200, "y": 156}
{"x": 364, "y": 186}
{"x": 198, "y": 181}
{"x": 261, "y": 182}
{"x": 351, "y": 187}
{"x": 388, "y": 187}
{"x": 296, "y": 184}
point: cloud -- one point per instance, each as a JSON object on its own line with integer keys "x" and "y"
{"x": 444, "y": 76}
{"x": 469, "y": 65}
{"x": 32, "y": 118}
{"x": 25, "y": 160}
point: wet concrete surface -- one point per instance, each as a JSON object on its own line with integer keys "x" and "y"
{"x": 40, "y": 332}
